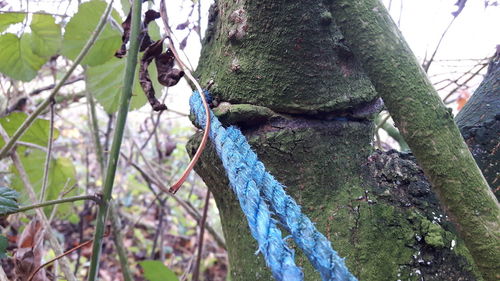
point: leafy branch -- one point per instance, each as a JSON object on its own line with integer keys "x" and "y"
{"x": 29, "y": 121}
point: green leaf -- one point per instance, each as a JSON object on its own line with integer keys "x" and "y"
{"x": 38, "y": 133}
{"x": 46, "y": 35}
{"x": 17, "y": 60}
{"x": 157, "y": 271}
{"x": 6, "y": 19}
{"x": 8, "y": 202}
{"x": 74, "y": 218}
{"x": 125, "y": 6}
{"x": 154, "y": 31}
{"x": 61, "y": 174}
{"x": 80, "y": 28}
{"x": 4, "y": 243}
{"x": 105, "y": 83}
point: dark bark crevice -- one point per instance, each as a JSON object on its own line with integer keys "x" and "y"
{"x": 479, "y": 123}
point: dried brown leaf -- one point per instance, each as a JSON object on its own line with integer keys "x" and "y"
{"x": 125, "y": 37}
{"x": 168, "y": 76}
{"x": 149, "y": 16}
{"x": 151, "y": 52}
{"x": 28, "y": 255}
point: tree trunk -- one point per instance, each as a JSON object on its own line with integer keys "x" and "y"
{"x": 479, "y": 123}
{"x": 282, "y": 73}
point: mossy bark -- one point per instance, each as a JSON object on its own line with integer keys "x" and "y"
{"x": 427, "y": 126}
{"x": 282, "y": 73}
{"x": 286, "y": 56}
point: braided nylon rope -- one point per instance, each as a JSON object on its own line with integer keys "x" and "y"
{"x": 255, "y": 187}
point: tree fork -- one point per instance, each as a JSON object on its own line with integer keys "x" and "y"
{"x": 283, "y": 74}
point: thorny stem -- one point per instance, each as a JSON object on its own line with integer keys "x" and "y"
{"x": 27, "y": 123}
{"x": 117, "y": 139}
{"x": 114, "y": 217}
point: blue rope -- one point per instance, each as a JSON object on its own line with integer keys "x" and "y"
{"x": 255, "y": 187}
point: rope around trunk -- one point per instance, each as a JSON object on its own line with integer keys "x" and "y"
{"x": 260, "y": 196}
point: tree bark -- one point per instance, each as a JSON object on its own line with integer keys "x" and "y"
{"x": 427, "y": 126}
{"x": 479, "y": 123}
{"x": 282, "y": 73}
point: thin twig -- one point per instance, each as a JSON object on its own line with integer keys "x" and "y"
{"x": 158, "y": 231}
{"x": 107, "y": 136}
{"x": 94, "y": 128}
{"x": 427, "y": 64}
{"x": 63, "y": 193}
{"x": 62, "y": 255}
{"x": 185, "y": 205}
{"x": 196, "y": 272}
{"x": 155, "y": 124}
{"x": 168, "y": 30}
{"x": 116, "y": 228}
{"x": 50, "y": 87}
{"x": 32, "y": 145}
{"x": 81, "y": 223}
{"x": 199, "y": 22}
{"x": 445, "y": 100}
{"x": 56, "y": 202}
{"x": 48, "y": 157}
{"x": 455, "y": 81}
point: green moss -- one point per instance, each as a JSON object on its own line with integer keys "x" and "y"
{"x": 243, "y": 113}
{"x": 289, "y": 70}
{"x": 426, "y": 125}
{"x": 288, "y": 61}
{"x": 433, "y": 233}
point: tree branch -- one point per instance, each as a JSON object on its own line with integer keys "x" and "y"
{"x": 426, "y": 125}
